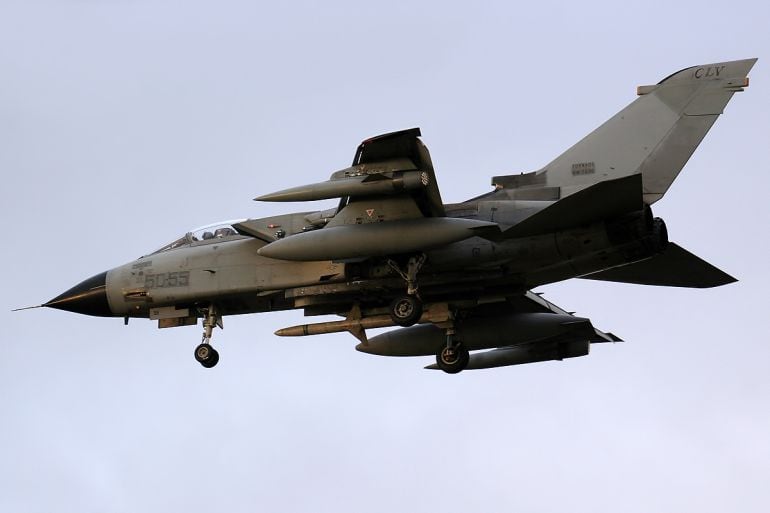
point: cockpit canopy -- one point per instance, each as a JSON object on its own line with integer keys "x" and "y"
{"x": 211, "y": 232}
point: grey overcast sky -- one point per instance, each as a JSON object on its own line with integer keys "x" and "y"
{"x": 124, "y": 123}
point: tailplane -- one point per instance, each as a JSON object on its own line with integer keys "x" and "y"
{"x": 674, "y": 267}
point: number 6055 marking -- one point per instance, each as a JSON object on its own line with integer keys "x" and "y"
{"x": 165, "y": 280}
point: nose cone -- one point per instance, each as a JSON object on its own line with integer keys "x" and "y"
{"x": 88, "y": 297}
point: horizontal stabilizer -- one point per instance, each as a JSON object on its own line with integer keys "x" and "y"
{"x": 675, "y": 267}
{"x": 603, "y": 200}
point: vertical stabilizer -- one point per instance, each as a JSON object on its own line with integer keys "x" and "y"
{"x": 655, "y": 135}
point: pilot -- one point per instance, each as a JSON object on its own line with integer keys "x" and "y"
{"x": 207, "y": 235}
{"x": 224, "y": 232}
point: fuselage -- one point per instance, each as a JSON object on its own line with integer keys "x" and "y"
{"x": 227, "y": 269}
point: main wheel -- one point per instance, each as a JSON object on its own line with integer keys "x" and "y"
{"x": 206, "y": 355}
{"x": 406, "y": 310}
{"x": 452, "y": 360}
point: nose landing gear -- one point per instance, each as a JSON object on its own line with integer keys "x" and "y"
{"x": 204, "y": 353}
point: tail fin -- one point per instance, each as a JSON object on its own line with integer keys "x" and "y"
{"x": 655, "y": 135}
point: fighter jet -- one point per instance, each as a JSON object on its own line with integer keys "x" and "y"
{"x": 455, "y": 279}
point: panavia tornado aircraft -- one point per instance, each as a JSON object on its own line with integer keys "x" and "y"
{"x": 456, "y": 278}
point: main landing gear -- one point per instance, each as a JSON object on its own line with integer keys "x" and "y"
{"x": 204, "y": 353}
{"x": 406, "y": 310}
{"x": 452, "y": 357}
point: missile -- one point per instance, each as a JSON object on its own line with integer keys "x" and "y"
{"x": 365, "y": 185}
{"x": 375, "y": 239}
{"x": 355, "y": 323}
{"x": 352, "y": 325}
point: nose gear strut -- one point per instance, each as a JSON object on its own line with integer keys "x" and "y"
{"x": 204, "y": 353}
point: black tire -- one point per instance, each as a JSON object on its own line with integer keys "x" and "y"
{"x": 406, "y": 310}
{"x": 454, "y": 360}
{"x": 213, "y": 359}
{"x": 206, "y": 355}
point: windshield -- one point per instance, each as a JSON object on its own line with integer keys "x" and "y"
{"x": 209, "y": 232}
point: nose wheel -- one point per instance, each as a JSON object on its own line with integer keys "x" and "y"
{"x": 204, "y": 353}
